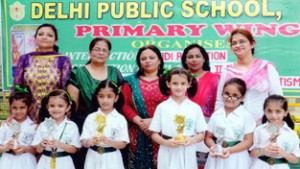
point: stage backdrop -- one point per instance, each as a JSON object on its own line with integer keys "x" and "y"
{"x": 170, "y": 25}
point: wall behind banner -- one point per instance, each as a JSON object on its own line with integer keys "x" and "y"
{"x": 170, "y": 25}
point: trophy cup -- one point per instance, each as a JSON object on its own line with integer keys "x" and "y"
{"x": 50, "y": 125}
{"x": 16, "y": 128}
{"x": 219, "y": 134}
{"x": 180, "y": 122}
{"x": 101, "y": 122}
{"x": 274, "y": 133}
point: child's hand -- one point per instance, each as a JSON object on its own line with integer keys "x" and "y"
{"x": 87, "y": 143}
{"x": 9, "y": 145}
{"x": 53, "y": 143}
{"x": 271, "y": 149}
{"x": 226, "y": 153}
{"x": 278, "y": 150}
{"x": 20, "y": 150}
{"x": 189, "y": 141}
{"x": 105, "y": 141}
{"x": 95, "y": 140}
{"x": 172, "y": 143}
{"x": 212, "y": 151}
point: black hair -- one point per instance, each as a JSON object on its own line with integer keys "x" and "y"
{"x": 205, "y": 66}
{"x": 140, "y": 71}
{"x": 96, "y": 40}
{"x": 55, "y": 47}
{"x": 241, "y": 85}
{"x": 116, "y": 89}
{"x": 21, "y": 93}
{"x": 177, "y": 71}
{"x": 283, "y": 104}
{"x": 44, "y": 113}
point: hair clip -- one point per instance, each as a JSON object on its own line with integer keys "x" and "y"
{"x": 194, "y": 75}
{"x": 166, "y": 71}
{"x": 116, "y": 85}
{"x": 19, "y": 88}
{"x": 68, "y": 95}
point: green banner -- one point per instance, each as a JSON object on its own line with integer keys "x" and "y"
{"x": 170, "y": 25}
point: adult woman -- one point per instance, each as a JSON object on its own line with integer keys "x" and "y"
{"x": 196, "y": 60}
{"x": 83, "y": 82}
{"x": 43, "y": 70}
{"x": 142, "y": 95}
{"x": 261, "y": 76}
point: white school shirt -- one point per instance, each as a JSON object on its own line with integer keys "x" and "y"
{"x": 70, "y": 135}
{"x": 254, "y": 98}
{"x": 236, "y": 125}
{"x": 183, "y": 157}
{"x": 25, "y": 160}
{"x": 287, "y": 140}
{"x": 116, "y": 129}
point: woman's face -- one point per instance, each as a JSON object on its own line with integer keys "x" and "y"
{"x": 100, "y": 52}
{"x": 45, "y": 39}
{"x": 241, "y": 46}
{"x": 194, "y": 60}
{"x": 149, "y": 61}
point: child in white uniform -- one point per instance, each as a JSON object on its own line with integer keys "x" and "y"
{"x": 230, "y": 130}
{"x": 275, "y": 142}
{"x": 16, "y": 136}
{"x": 56, "y": 137}
{"x": 179, "y": 120}
{"x": 105, "y": 131}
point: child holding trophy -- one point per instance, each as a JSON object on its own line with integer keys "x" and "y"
{"x": 230, "y": 130}
{"x": 275, "y": 142}
{"x": 57, "y": 137}
{"x": 105, "y": 131}
{"x": 16, "y": 136}
{"x": 179, "y": 120}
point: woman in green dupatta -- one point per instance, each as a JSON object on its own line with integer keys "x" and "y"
{"x": 142, "y": 95}
{"x": 83, "y": 82}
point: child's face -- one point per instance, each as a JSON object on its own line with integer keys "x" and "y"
{"x": 275, "y": 113}
{"x": 178, "y": 85}
{"x": 106, "y": 99}
{"x": 57, "y": 107}
{"x": 232, "y": 97}
{"x": 19, "y": 110}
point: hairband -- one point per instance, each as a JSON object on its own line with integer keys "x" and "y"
{"x": 19, "y": 88}
{"x": 68, "y": 95}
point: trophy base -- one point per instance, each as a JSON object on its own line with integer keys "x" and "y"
{"x": 218, "y": 149}
{"x": 180, "y": 138}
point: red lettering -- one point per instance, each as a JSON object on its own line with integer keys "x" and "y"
{"x": 261, "y": 28}
{"x": 176, "y": 30}
{"x": 101, "y": 31}
{"x": 82, "y": 30}
{"x": 289, "y": 29}
{"x": 137, "y": 31}
{"x": 155, "y": 30}
{"x": 195, "y": 29}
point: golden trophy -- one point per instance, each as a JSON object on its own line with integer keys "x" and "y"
{"x": 180, "y": 122}
{"x": 101, "y": 122}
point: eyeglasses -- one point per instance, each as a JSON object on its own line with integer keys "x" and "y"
{"x": 241, "y": 42}
{"x": 233, "y": 98}
{"x": 100, "y": 50}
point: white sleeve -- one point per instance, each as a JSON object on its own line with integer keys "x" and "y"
{"x": 255, "y": 139}
{"x": 296, "y": 149}
{"x": 123, "y": 131}
{"x": 86, "y": 129}
{"x": 156, "y": 120}
{"x": 274, "y": 80}
{"x": 201, "y": 125}
{"x": 211, "y": 124}
{"x": 250, "y": 124}
{"x": 219, "y": 100}
{"x": 39, "y": 135}
{"x": 75, "y": 140}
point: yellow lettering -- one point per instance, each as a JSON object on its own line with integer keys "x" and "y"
{"x": 144, "y": 13}
{"x": 49, "y": 9}
{"x": 239, "y": 7}
{"x": 102, "y": 8}
{"x": 114, "y": 10}
{"x": 132, "y": 10}
{"x": 86, "y": 10}
{"x": 265, "y": 9}
{"x": 215, "y": 8}
{"x": 188, "y": 11}
{"x": 163, "y": 9}
{"x": 60, "y": 15}
{"x": 198, "y": 9}
{"x": 256, "y": 7}
{"x": 77, "y": 10}
{"x": 36, "y": 10}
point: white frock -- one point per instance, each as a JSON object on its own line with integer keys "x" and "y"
{"x": 25, "y": 160}
{"x": 287, "y": 140}
{"x": 70, "y": 136}
{"x": 237, "y": 124}
{"x": 183, "y": 157}
{"x": 116, "y": 129}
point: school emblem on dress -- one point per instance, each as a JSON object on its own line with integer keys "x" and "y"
{"x": 17, "y": 11}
